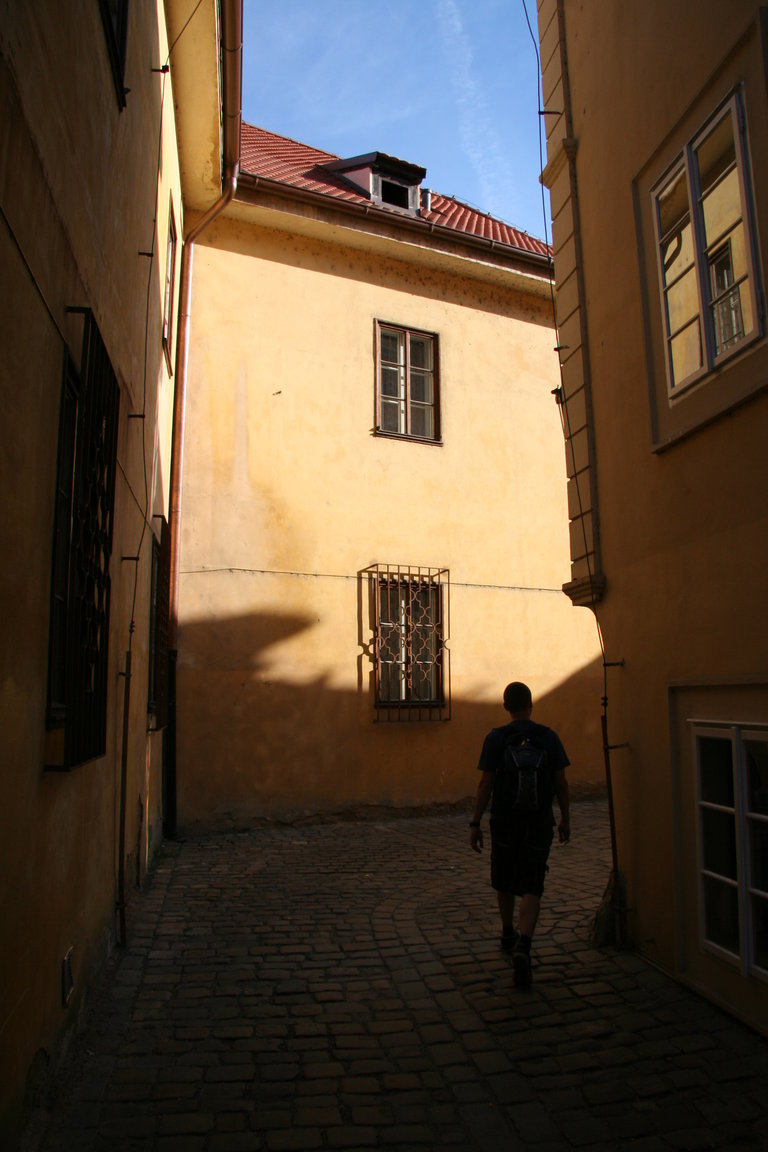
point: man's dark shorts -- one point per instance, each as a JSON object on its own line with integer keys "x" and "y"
{"x": 519, "y": 855}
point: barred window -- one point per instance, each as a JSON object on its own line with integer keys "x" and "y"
{"x": 114, "y": 15}
{"x": 80, "y": 582}
{"x": 170, "y": 286}
{"x": 411, "y": 613}
{"x": 157, "y": 688}
{"x": 407, "y": 391}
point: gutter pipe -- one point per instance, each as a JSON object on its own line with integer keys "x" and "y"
{"x": 255, "y": 184}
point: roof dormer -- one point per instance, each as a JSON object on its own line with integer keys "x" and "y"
{"x": 387, "y": 181}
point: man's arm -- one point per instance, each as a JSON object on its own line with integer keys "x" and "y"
{"x": 484, "y": 789}
{"x": 561, "y": 791}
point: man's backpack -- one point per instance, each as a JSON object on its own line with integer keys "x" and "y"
{"x": 523, "y": 782}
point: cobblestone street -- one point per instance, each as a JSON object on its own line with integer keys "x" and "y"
{"x": 341, "y": 986}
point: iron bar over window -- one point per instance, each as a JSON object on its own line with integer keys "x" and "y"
{"x": 80, "y": 582}
{"x": 411, "y": 627}
{"x": 157, "y": 689}
{"x": 114, "y": 14}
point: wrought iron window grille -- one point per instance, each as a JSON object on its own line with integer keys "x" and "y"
{"x": 81, "y": 587}
{"x": 157, "y": 692}
{"x": 410, "y": 614}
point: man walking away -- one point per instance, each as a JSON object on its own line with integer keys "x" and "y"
{"x": 522, "y": 768}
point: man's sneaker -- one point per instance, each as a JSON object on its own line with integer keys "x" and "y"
{"x": 509, "y": 939}
{"x": 521, "y": 965}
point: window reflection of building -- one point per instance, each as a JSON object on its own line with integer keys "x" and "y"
{"x": 704, "y": 242}
{"x": 726, "y": 301}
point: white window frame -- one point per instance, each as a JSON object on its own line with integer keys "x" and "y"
{"x": 744, "y": 822}
{"x": 407, "y": 402}
{"x": 685, "y": 163}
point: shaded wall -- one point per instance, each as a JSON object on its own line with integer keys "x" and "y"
{"x": 679, "y": 485}
{"x": 80, "y": 189}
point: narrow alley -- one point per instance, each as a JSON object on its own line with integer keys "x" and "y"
{"x": 340, "y": 986}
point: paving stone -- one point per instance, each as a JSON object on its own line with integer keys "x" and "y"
{"x": 277, "y": 992}
{"x": 352, "y": 1137}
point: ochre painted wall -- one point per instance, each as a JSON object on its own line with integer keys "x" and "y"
{"x": 289, "y": 497}
{"x": 79, "y": 187}
{"x": 681, "y": 485}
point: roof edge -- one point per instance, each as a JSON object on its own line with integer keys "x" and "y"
{"x": 250, "y": 182}
{"x": 389, "y": 165}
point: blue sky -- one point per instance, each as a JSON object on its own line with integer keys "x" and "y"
{"x": 451, "y": 85}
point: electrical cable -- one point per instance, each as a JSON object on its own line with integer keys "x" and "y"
{"x": 184, "y": 27}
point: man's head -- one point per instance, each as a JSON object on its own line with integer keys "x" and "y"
{"x": 517, "y": 698}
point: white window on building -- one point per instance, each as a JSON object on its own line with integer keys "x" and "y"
{"x": 406, "y": 383}
{"x": 732, "y": 775}
{"x": 704, "y": 244}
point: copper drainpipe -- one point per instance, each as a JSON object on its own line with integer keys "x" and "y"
{"x": 232, "y": 58}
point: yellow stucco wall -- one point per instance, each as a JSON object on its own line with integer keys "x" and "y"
{"x": 289, "y": 497}
{"x": 79, "y": 189}
{"x": 681, "y": 484}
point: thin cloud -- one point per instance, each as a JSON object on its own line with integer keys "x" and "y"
{"x": 341, "y": 84}
{"x": 480, "y": 143}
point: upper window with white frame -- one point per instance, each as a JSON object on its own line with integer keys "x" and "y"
{"x": 732, "y": 771}
{"x": 705, "y": 250}
{"x": 407, "y": 385}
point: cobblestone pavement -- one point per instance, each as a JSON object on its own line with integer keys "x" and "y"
{"x": 340, "y": 986}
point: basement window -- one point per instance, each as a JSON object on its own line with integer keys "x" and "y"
{"x": 732, "y": 771}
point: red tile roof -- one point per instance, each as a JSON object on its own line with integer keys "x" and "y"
{"x": 272, "y": 157}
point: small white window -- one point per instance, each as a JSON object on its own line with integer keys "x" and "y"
{"x": 704, "y": 243}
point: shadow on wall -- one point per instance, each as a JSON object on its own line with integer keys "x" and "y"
{"x": 315, "y": 256}
{"x": 255, "y": 743}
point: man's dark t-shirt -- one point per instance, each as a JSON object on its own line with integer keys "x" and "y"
{"x": 492, "y": 755}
